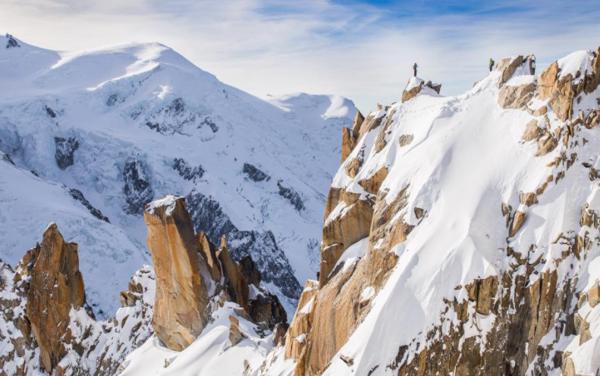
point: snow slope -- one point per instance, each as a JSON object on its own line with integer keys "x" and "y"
{"x": 490, "y": 211}
{"x": 467, "y": 158}
{"x": 135, "y": 122}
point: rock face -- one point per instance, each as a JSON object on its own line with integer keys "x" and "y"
{"x": 561, "y": 89}
{"x": 181, "y": 292}
{"x": 137, "y": 188}
{"x": 65, "y": 151}
{"x": 55, "y": 287}
{"x": 421, "y": 276}
{"x": 190, "y": 271}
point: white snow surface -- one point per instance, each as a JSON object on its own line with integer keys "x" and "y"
{"x": 168, "y": 202}
{"x": 465, "y": 160}
{"x": 578, "y": 61}
{"x": 147, "y": 104}
{"x": 210, "y": 355}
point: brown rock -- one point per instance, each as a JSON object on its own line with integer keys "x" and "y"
{"x": 546, "y": 144}
{"x": 517, "y": 223}
{"x": 507, "y": 67}
{"x": 127, "y": 299}
{"x": 353, "y": 167}
{"x": 357, "y": 123}
{"x": 348, "y": 143}
{"x": 208, "y": 252}
{"x": 301, "y": 322}
{"x": 516, "y": 96}
{"x": 341, "y": 232}
{"x": 561, "y": 91}
{"x": 181, "y": 293}
{"x": 528, "y": 198}
{"x": 372, "y": 183}
{"x": 237, "y": 287}
{"x": 413, "y": 92}
{"x": 55, "y": 287}
{"x": 486, "y": 291}
{"x": 532, "y": 131}
{"x": 568, "y": 368}
{"x": 584, "y": 332}
{"x": 593, "y": 294}
{"x": 235, "y": 334}
{"x": 405, "y": 139}
{"x": 410, "y": 94}
{"x": 543, "y": 110}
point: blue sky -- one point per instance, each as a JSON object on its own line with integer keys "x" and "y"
{"x": 362, "y": 49}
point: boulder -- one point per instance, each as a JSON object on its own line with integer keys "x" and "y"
{"x": 181, "y": 293}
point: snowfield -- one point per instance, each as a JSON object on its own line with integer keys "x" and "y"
{"x": 118, "y": 127}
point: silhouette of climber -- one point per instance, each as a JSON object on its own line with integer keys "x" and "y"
{"x": 532, "y": 64}
{"x": 491, "y": 64}
{"x": 415, "y": 69}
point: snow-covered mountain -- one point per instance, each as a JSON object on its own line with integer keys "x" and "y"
{"x": 89, "y": 137}
{"x": 462, "y": 234}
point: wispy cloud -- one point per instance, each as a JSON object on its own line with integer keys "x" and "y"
{"x": 361, "y": 49}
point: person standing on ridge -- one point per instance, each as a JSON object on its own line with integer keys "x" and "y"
{"x": 532, "y": 64}
{"x": 415, "y": 69}
{"x": 491, "y": 64}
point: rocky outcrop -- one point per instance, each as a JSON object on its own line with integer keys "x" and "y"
{"x": 181, "y": 293}
{"x": 350, "y": 223}
{"x": 296, "y": 338}
{"x": 191, "y": 173}
{"x": 54, "y": 288}
{"x": 190, "y": 271}
{"x": 561, "y": 90}
{"x": 237, "y": 286}
{"x": 416, "y": 85}
{"x": 65, "y": 151}
{"x": 235, "y": 334}
{"x": 78, "y": 195}
{"x": 254, "y": 173}
{"x": 350, "y": 135}
{"x": 137, "y": 188}
{"x": 291, "y": 195}
{"x": 516, "y": 96}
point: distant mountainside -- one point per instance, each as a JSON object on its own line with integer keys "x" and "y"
{"x": 88, "y": 138}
